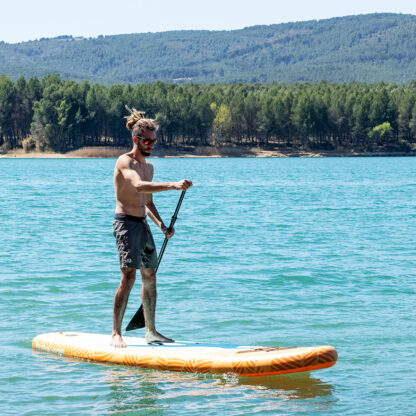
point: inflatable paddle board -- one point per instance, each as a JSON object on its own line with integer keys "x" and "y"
{"x": 189, "y": 356}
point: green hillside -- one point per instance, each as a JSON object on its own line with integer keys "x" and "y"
{"x": 369, "y": 48}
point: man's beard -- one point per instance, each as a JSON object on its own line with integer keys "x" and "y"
{"x": 144, "y": 153}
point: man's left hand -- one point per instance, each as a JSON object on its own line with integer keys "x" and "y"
{"x": 167, "y": 232}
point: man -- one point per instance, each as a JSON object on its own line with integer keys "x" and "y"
{"x": 133, "y": 189}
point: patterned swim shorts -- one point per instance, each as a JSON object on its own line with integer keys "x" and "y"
{"x": 136, "y": 247}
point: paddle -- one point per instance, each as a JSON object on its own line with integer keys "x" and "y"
{"x": 138, "y": 319}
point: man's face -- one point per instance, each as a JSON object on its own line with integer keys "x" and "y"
{"x": 146, "y": 148}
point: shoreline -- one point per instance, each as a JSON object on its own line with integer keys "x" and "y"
{"x": 197, "y": 152}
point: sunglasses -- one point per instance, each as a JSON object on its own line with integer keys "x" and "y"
{"x": 147, "y": 141}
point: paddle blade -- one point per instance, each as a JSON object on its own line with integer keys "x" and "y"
{"x": 137, "y": 321}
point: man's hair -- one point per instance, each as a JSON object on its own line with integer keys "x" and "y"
{"x": 137, "y": 124}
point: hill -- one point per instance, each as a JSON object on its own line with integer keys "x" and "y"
{"x": 369, "y": 48}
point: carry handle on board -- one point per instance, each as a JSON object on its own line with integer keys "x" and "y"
{"x": 138, "y": 319}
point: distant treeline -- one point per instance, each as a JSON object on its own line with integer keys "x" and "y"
{"x": 63, "y": 115}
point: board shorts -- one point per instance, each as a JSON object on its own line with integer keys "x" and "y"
{"x": 136, "y": 247}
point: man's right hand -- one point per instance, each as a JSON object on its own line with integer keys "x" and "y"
{"x": 183, "y": 185}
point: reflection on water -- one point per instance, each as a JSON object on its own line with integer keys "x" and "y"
{"x": 299, "y": 386}
{"x": 129, "y": 392}
{"x": 133, "y": 389}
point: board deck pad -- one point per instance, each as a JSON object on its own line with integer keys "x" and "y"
{"x": 245, "y": 361}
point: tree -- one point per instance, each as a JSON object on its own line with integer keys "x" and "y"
{"x": 222, "y": 123}
{"x": 22, "y": 113}
{"x": 45, "y": 127}
{"x": 381, "y": 133}
{"x": 303, "y": 117}
{"x": 6, "y": 110}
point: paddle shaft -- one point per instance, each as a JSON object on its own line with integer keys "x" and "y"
{"x": 138, "y": 319}
{"x": 171, "y": 225}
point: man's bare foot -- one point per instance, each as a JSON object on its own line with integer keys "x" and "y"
{"x": 155, "y": 338}
{"x": 117, "y": 341}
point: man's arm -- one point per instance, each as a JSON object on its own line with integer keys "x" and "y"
{"x": 146, "y": 187}
{"x": 153, "y": 213}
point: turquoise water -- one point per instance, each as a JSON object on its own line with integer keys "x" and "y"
{"x": 267, "y": 252}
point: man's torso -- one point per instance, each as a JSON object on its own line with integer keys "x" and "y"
{"x": 128, "y": 199}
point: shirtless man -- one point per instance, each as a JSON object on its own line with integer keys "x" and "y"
{"x": 134, "y": 188}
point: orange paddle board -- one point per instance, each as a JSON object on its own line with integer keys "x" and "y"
{"x": 245, "y": 361}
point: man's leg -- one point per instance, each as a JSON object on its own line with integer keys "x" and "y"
{"x": 128, "y": 276}
{"x": 149, "y": 306}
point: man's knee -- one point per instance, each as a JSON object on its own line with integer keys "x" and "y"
{"x": 128, "y": 275}
{"x": 148, "y": 275}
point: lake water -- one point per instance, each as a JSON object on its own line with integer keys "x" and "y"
{"x": 274, "y": 252}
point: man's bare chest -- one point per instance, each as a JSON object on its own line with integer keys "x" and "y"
{"x": 143, "y": 171}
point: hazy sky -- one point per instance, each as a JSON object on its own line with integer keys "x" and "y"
{"x": 23, "y": 20}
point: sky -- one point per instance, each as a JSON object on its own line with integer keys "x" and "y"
{"x": 23, "y": 20}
